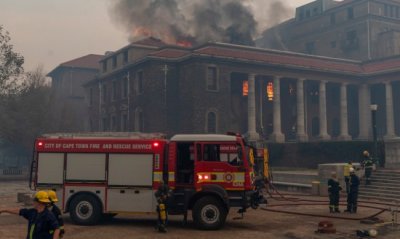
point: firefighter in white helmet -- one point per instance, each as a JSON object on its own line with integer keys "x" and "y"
{"x": 352, "y": 197}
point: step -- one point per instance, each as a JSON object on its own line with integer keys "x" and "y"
{"x": 386, "y": 174}
{"x": 383, "y": 199}
{"x": 380, "y": 184}
{"x": 381, "y": 191}
{"x": 385, "y": 180}
{"x": 385, "y": 177}
{"x": 381, "y": 195}
{"x": 379, "y": 187}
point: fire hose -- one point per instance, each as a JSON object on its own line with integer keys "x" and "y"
{"x": 309, "y": 202}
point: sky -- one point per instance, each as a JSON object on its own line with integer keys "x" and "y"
{"x": 49, "y": 32}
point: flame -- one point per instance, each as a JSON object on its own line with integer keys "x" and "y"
{"x": 184, "y": 43}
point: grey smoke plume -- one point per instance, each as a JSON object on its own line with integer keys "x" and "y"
{"x": 183, "y": 21}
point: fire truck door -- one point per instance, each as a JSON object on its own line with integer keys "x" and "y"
{"x": 130, "y": 180}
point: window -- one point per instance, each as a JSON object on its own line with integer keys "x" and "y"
{"x": 113, "y": 123}
{"x": 270, "y": 91}
{"x": 301, "y": 15}
{"x": 315, "y": 126}
{"x": 351, "y": 39}
{"x": 386, "y": 13}
{"x": 315, "y": 11}
{"x": 212, "y": 78}
{"x": 104, "y": 65}
{"x": 350, "y": 13}
{"x": 333, "y": 18}
{"x": 308, "y": 13}
{"x": 310, "y": 47}
{"x": 126, "y": 57}
{"x": 125, "y": 87}
{"x": 139, "y": 120}
{"x": 114, "y": 62}
{"x": 90, "y": 96}
{"x": 104, "y": 93}
{"x": 211, "y": 122}
{"x": 114, "y": 90}
{"x": 104, "y": 124}
{"x": 124, "y": 122}
{"x": 245, "y": 88}
{"x": 139, "y": 82}
{"x": 211, "y": 152}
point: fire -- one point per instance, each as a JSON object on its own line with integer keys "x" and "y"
{"x": 184, "y": 43}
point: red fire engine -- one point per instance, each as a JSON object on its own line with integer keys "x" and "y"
{"x": 102, "y": 174}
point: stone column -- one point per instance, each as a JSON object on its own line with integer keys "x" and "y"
{"x": 344, "y": 121}
{"x": 390, "y": 133}
{"x": 323, "y": 123}
{"x": 364, "y": 112}
{"x": 301, "y": 134}
{"x": 251, "y": 109}
{"x": 277, "y": 135}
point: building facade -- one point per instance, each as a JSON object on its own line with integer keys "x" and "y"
{"x": 68, "y": 78}
{"x": 350, "y": 29}
{"x": 271, "y": 95}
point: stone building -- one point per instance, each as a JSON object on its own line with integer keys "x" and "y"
{"x": 351, "y": 29}
{"x": 274, "y": 95}
{"x": 69, "y": 95}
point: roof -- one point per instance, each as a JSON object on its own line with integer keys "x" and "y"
{"x": 90, "y": 61}
{"x": 203, "y": 137}
{"x": 150, "y": 41}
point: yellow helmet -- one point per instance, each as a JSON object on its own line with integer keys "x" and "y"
{"x": 42, "y": 197}
{"x": 52, "y": 196}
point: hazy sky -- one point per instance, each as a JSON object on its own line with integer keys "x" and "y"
{"x": 50, "y": 32}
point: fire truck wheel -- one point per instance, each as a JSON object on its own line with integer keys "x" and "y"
{"x": 85, "y": 209}
{"x": 209, "y": 213}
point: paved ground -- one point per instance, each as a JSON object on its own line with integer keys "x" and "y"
{"x": 256, "y": 224}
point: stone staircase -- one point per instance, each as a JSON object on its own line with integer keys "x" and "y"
{"x": 385, "y": 186}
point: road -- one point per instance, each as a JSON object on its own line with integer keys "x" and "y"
{"x": 256, "y": 224}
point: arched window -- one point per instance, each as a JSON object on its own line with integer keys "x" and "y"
{"x": 211, "y": 122}
{"x": 139, "y": 120}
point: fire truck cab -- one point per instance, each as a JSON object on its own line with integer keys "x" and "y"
{"x": 98, "y": 175}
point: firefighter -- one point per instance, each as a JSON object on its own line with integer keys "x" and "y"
{"x": 162, "y": 195}
{"x": 352, "y": 197}
{"x": 368, "y": 165}
{"x": 56, "y": 211}
{"x": 42, "y": 224}
{"x": 334, "y": 189}
{"x": 346, "y": 173}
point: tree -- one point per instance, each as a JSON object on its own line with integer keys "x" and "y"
{"x": 10, "y": 64}
{"x": 26, "y": 112}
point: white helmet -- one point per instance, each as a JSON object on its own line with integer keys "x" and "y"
{"x": 373, "y": 233}
{"x": 351, "y": 170}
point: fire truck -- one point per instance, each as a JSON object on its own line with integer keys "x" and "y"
{"x": 104, "y": 174}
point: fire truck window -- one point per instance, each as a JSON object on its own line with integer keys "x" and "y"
{"x": 224, "y": 157}
{"x": 211, "y": 152}
{"x": 236, "y": 158}
{"x": 185, "y": 163}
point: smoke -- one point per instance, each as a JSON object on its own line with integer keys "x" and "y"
{"x": 194, "y": 21}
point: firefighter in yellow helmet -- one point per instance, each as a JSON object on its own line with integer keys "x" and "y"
{"x": 56, "y": 211}
{"x": 368, "y": 166}
{"x": 162, "y": 195}
{"x": 42, "y": 224}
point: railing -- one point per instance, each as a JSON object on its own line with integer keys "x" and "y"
{"x": 12, "y": 171}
